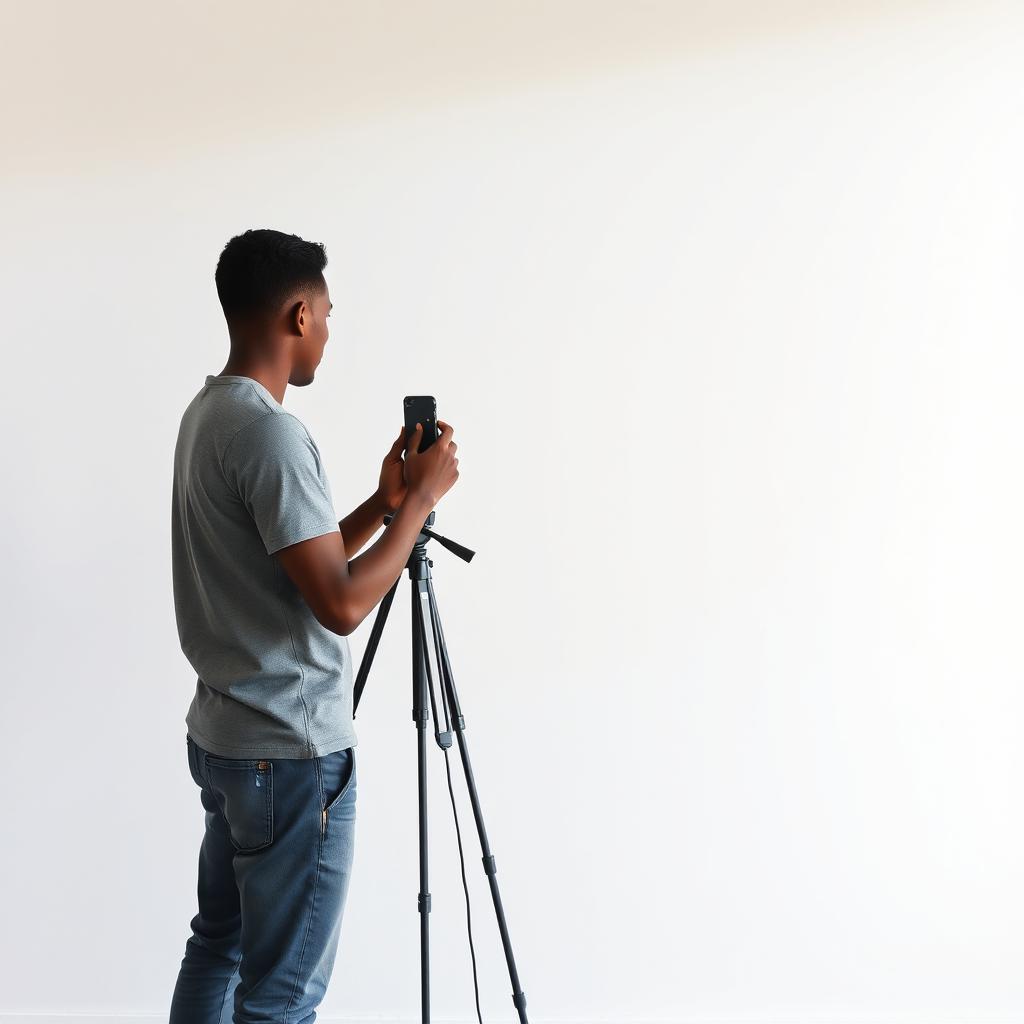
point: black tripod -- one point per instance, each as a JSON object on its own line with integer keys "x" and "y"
{"x": 426, "y": 622}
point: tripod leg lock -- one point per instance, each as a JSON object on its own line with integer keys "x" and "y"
{"x": 424, "y": 902}
{"x": 519, "y": 1000}
{"x": 490, "y": 865}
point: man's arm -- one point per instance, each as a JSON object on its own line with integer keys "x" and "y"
{"x": 363, "y": 522}
{"x": 341, "y": 593}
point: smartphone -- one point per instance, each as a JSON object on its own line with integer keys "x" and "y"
{"x": 421, "y": 409}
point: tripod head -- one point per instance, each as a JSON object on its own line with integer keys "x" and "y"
{"x": 425, "y": 532}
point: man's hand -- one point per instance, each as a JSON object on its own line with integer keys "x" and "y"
{"x": 392, "y": 488}
{"x": 431, "y": 474}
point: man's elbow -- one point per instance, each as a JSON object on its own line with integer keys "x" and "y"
{"x": 342, "y": 621}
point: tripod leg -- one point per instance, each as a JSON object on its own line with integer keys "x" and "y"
{"x": 489, "y": 862}
{"x": 420, "y": 714}
{"x": 371, "y": 644}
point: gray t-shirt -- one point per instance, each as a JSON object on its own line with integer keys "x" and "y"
{"x": 272, "y": 681}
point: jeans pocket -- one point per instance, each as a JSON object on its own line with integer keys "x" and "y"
{"x": 244, "y": 790}
{"x": 338, "y": 772}
{"x": 190, "y": 749}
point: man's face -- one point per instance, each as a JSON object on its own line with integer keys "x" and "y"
{"x": 309, "y": 350}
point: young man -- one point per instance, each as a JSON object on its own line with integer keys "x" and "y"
{"x": 265, "y": 596}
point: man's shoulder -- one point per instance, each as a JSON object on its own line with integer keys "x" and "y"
{"x": 267, "y": 425}
{"x": 273, "y": 435}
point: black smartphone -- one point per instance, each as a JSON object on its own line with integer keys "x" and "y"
{"x": 421, "y": 409}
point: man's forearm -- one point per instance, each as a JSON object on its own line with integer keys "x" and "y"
{"x": 362, "y": 523}
{"x": 374, "y": 572}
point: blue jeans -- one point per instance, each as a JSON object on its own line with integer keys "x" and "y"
{"x": 274, "y": 870}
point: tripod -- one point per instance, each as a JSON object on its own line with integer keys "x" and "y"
{"x": 426, "y": 623}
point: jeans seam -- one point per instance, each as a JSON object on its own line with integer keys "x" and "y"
{"x": 312, "y": 908}
{"x": 227, "y": 984}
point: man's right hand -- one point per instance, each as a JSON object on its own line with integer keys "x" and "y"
{"x": 431, "y": 474}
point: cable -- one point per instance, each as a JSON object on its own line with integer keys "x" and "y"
{"x": 465, "y": 887}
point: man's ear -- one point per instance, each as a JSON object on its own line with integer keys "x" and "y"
{"x": 299, "y": 317}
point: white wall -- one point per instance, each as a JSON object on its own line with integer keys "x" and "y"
{"x": 724, "y": 304}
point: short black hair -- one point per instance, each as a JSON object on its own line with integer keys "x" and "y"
{"x": 260, "y": 269}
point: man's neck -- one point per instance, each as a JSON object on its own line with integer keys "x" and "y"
{"x": 274, "y": 381}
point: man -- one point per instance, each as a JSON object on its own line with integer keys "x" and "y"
{"x": 265, "y": 596}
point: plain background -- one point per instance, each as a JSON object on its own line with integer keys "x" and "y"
{"x": 723, "y": 301}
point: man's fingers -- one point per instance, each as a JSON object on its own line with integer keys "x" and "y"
{"x": 413, "y": 446}
{"x": 446, "y": 429}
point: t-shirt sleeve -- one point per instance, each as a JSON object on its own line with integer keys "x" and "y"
{"x": 274, "y": 466}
